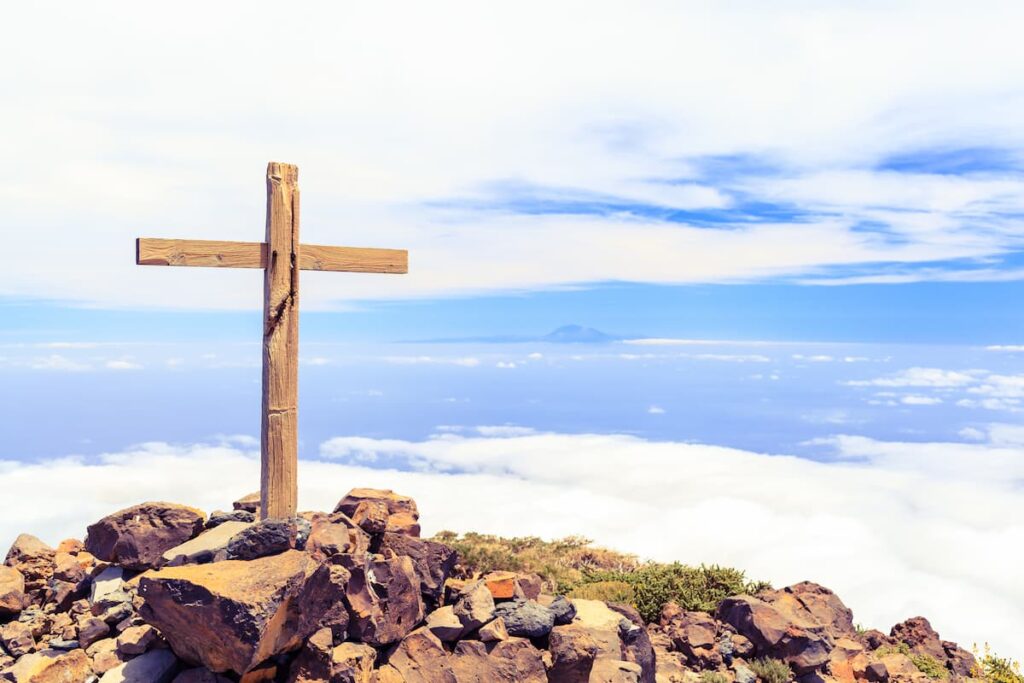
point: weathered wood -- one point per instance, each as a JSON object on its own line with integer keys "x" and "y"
{"x": 279, "y": 434}
{"x": 353, "y": 259}
{"x": 281, "y": 257}
{"x": 151, "y": 251}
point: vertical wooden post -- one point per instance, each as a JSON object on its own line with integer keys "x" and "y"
{"x": 279, "y": 432}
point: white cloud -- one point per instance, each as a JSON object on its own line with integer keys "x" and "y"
{"x": 1010, "y": 348}
{"x": 897, "y": 529}
{"x": 57, "y": 362}
{"x": 122, "y": 364}
{"x": 506, "y": 365}
{"x": 915, "y": 400}
{"x": 920, "y": 377}
{"x": 656, "y": 410}
{"x": 397, "y": 132}
{"x": 466, "y": 361}
{"x": 818, "y": 358}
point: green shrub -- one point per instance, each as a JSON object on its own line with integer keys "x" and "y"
{"x": 897, "y": 649}
{"x": 571, "y": 565}
{"x": 609, "y": 591}
{"x": 994, "y": 669}
{"x": 692, "y": 588}
{"x": 713, "y": 677}
{"x": 930, "y": 667}
{"x": 770, "y": 670}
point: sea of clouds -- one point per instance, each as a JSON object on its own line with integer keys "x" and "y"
{"x": 896, "y": 529}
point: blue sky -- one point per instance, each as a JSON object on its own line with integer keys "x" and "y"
{"x": 802, "y": 225}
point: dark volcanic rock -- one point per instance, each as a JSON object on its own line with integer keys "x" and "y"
{"x": 433, "y": 561}
{"x": 266, "y": 537}
{"x": 137, "y": 537}
{"x": 526, "y": 618}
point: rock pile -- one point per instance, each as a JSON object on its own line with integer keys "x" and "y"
{"x": 159, "y": 593}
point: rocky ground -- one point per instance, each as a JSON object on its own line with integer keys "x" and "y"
{"x": 160, "y": 593}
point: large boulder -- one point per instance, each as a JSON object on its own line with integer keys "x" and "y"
{"x": 137, "y": 537}
{"x": 323, "y": 602}
{"x": 49, "y": 666}
{"x": 335, "y": 534}
{"x": 34, "y": 559}
{"x": 12, "y": 591}
{"x": 322, "y": 662}
{"x": 526, "y": 618}
{"x": 637, "y": 645}
{"x": 422, "y": 658}
{"x": 798, "y": 624}
{"x": 231, "y": 615}
{"x": 433, "y": 561}
{"x": 383, "y": 597}
{"x": 920, "y": 637}
{"x": 474, "y": 606}
{"x": 402, "y": 516}
{"x": 573, "y": 651}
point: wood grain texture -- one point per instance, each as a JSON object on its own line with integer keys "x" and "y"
{"x": 151, "y": 251}
{"x": 279, "y": 433}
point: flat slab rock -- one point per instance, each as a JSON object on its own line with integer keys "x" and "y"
{"x": 230, "y": 615}
{"x": 156, "y": 666}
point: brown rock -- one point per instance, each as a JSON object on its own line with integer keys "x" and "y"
{"x": 615, "y": 671}
{"x": 91, "y": 629}
{"x": 249, "y": 503}
{"x": 371, "y": 516}
{"x": 403, "y": 517}
{"x": 573, "y": 651}
{"x": 12, "y": 591}
{"x": 383, "y": 598}
{"x": 691, "y": 631}
{"x": 508, "y": 661}
{"x": 135, "y": 640}
{"x": 421, "y": 658}
{"x": 959, "y": 660}
{"x": 137, "y": 537}
{"x": 798, "y": 624}
{"x": 603, "y": 625}
{"x": 229, "y": 615}
{"x": 323, "y": 604}
{"x": 50, "y": 666}
{"x": 70, "y": 545}
{"x": 34, "y": 559}
{"x": 443, "y": 623}
{"x": 104, "y": 655}
{"x": 319, "y": 662}
{"x": 203, "y": 547}
{"x": 16, "y": 637}
{"x": 335, "y": 535}
{"x": 919, "y": 635}
{"x": 493, "y": 631}
{"x": 433, "y": 561}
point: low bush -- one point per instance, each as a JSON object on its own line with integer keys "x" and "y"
{"x": 771, "y": 670}
{"x": 994, "y": 669}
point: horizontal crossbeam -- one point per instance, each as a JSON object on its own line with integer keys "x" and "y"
{"x": 151, "y": 251}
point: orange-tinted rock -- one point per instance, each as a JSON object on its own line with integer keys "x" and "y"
{"x": 137, "y": 537}
{"x": 229, "y": 615}
{"x": 70, "y": 545}
{"x": 383, "y": 597}
{"x": 12, "y": 591}
{"x": 50, "y": 666}
{"x": 501, "y": 584}
{"x": 403, "y": 517}
{"x": 34, "y": 559}
{"x": 335, "y": 535}
{"x": 16, "y": 637}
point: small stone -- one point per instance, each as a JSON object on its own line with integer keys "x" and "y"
{"x": 493, "y": 631}
{"x": 12, "y": 591}
{"x": 218, "y": 517}
{"x": 526, "y": 618}
{"x": 501, "y": 584}
{"x": 443, "y": 623}
{"x": 70, "y": 545}
{"x": 563, "y": 610}
{"x": 744, "y": 674}
{"x": 156, "y": 666}
{"x": 91, "y": 629}
{"x": 136, "y": 640}
{"x": 17, "y": 638}
{"x": 474, "y": 606}
{"x": 249, "y": 503}
{"x": 104, "y": 655}
{"x": 62, "y": 644}
{"x": 108, "y": 581}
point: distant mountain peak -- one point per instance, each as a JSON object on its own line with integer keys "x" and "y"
{"x": 577, "y": 334}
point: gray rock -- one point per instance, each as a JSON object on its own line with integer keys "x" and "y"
{"x": 218, "y": 517}
{"x": 156, "y": 666}
{"x": 563, "y": 610}
{"x": 203, "y": 547}
{"x": 474, "y": 607}
{"x": 62, "y": 644}
{"x": 745, "y": 674}
{"x": 108, "y": 581}
{"x": 444, "y": 624}
{"x": 526, "y": 618}
{"x": 266, "y": 537}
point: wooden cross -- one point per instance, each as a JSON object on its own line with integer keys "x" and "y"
{"x": 281, "y": 257}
